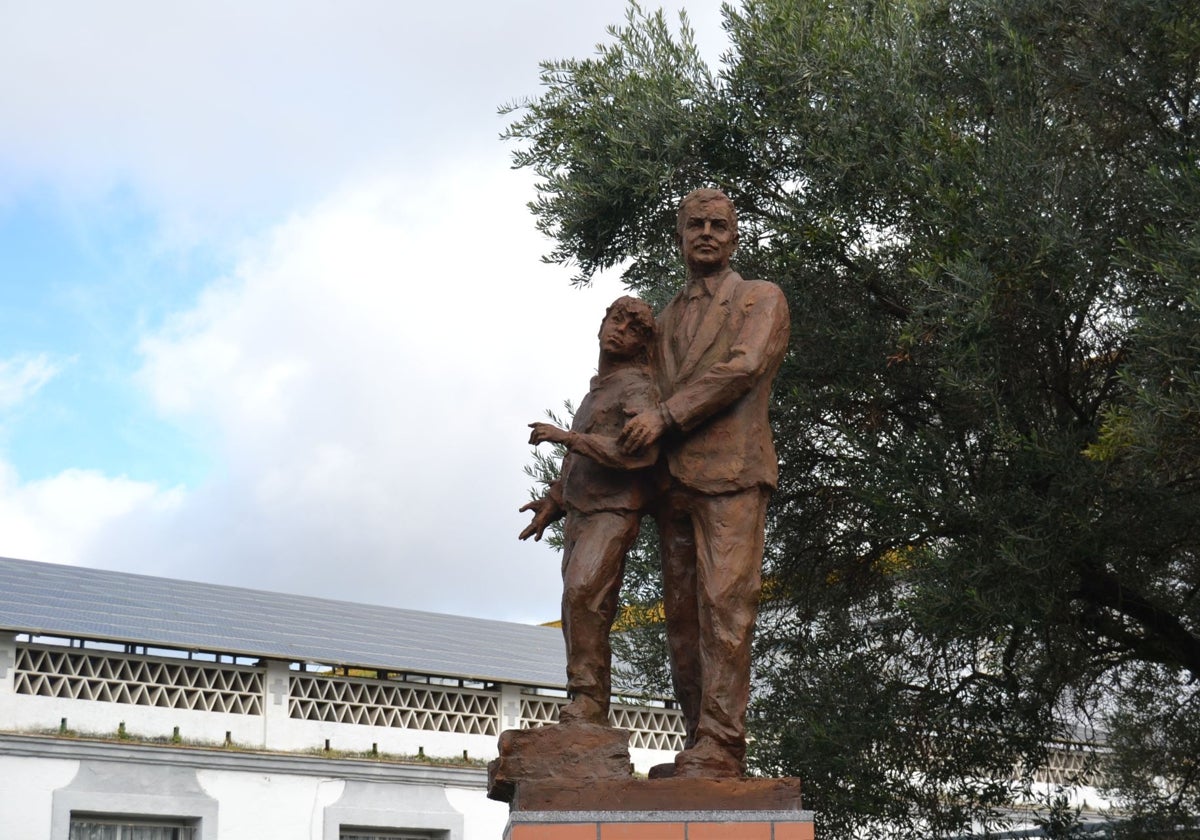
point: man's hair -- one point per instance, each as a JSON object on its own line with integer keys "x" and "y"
{"x": 638, "y": 311}
{"x": 703, "y": 194}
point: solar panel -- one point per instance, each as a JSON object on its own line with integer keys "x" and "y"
{"x": 71, "y": 601}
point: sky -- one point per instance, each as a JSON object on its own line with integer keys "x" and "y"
{"x": 273, "y": 311}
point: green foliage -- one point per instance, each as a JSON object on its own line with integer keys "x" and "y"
{"x": 984, "y": 215}
{"x": 1156, "y": 746}
{"x": 635, "y": 103}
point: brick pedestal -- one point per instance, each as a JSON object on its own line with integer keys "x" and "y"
{"x": 659, "y": 825}
{"x": 658, "y": 809}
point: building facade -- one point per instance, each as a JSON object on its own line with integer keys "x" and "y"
{"x": 139, "y": 708}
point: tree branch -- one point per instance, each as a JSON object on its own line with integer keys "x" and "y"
{"x": 1164, "y": 629}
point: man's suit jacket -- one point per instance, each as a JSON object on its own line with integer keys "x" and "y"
{"x": 718, "y": 388}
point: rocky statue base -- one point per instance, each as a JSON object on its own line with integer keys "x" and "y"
{"x": 575, "y": 752}
{"x": 575, "y": 781}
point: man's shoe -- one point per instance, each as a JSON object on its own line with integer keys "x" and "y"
{"x": 583, "y": 709}
{"x": 707, "y": 760}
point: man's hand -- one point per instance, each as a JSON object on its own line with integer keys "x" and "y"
{"x": 545, "y": 510}
{"x": 642, "y": 430}
{"x": 543, "y": 432}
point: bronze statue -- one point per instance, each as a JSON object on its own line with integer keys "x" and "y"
{"x": 719, "y": 344}
{"x": 701, "y": 398}
{"x": 603, "y": 491}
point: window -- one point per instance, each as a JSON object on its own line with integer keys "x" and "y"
{"x": 384, "y": 834}
{"x": 107, "y": 828}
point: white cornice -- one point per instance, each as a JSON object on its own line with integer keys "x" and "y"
{"x": 42, "y": 746}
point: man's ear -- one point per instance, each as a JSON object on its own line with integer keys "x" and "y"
{"x": 678, "y": 238}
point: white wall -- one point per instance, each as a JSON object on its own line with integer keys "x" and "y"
{"x": 235, "y": 796}
{"x": 27, "y": 787}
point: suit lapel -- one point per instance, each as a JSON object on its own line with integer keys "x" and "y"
{"x": 710, "y": 326}
{"x": 668, "y": 364}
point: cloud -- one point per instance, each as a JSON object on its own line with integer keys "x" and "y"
{"x": 367, "y": 373}
{"x": 362, "y": 380}
{"x": 230, "y": 109}
{"x": 21, "y": 376}
{"x": 363, "y": 375}
{"x": 59, "y": 519}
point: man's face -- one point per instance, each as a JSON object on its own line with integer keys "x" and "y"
{"x": 709, "y": 236}
{"x": 621, "y": 336}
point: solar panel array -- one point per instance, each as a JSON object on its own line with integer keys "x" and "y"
{"x": 69, "y": 601}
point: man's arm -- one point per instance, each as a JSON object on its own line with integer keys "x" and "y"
{"x": 644, "y": 430}
{"x": 603, "y": 449}
{"x": 761, "y": 339}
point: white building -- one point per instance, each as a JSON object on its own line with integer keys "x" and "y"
{"x": 140, "y": 708}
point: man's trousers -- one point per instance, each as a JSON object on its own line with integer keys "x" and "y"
{"x": 712, "y": 551}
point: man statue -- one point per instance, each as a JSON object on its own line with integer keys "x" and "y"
{"x": 603, "y": 491}
{"x": 719, "y": 344}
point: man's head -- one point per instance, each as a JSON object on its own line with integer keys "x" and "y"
{"x": 627, "y": 328}
{"x": 706, "y": 231}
